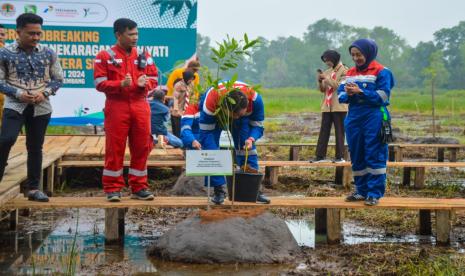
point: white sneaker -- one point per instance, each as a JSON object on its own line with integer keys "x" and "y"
{"x": 317, "y": 160}
{"x": 340, "y": 160}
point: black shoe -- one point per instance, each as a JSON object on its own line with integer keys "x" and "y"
{"x": 261, "y": 198}
{"x": 37, "y": 195}
{"x": 114, "y": 197}
{"x": 355, "y": 197}
{"x": 218, "y": 195}
{"x": 143, "y": 194}
{"x": 371, "y": 201}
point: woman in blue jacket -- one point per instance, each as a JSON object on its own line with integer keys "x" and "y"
{"x": 367, "y": 89}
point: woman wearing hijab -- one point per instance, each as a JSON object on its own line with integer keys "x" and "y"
{"x": 367, "y": 89}
{"x": 333, "y": 112}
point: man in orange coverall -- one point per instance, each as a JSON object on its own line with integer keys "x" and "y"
{"x": 126, "y": 75}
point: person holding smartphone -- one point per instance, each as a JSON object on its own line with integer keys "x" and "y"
{"x": 367, "y": 89}
{"x": 332, "y": 111}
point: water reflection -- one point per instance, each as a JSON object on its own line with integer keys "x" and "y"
{"x": 45, "y": 246}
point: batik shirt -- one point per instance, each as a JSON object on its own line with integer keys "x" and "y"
{"x": 34, "y": 71}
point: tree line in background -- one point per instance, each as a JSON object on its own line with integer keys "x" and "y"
{"x": 292, "y": 62}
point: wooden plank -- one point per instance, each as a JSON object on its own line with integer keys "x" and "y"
{"x": 348, "y": 164}
{"x": 9, "y": 182}
{"x": 101, "y": 145}
{"x": 457, "y": 146}
{"x": 49, "y": 142}
{"x": 333, "y": 222}
{"x": 284, "y": 202}
{"x": 17, "y": 175}
{"x": 443, "y": 227}
{"x": 99, "y": 163}
{"x": 9, "y": 195}
{"x": 75, "y": 150}
{"x": 76, "y": 141}
{"x": 90, "y": 141}
{"x": 15, "y": 162}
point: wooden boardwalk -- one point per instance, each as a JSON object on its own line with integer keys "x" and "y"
{"x": 328, "y": 216}
{"x": 79, "y": 151}
{"x": 276, "y": 202}
{"x": 59, "y": 148}
{"x": 84, "y": 147}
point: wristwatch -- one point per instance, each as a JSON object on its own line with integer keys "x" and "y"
{"x": 46, "y": 93}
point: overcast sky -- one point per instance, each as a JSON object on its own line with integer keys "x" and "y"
{"x": 414, "y": 20}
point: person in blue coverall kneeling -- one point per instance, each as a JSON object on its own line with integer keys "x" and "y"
{"x": 190, "y": 126}
{"x": 248, "y": 116}
{"x": 367, "y": 89}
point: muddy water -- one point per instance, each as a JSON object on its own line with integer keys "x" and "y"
{"x": 44, "y": 243}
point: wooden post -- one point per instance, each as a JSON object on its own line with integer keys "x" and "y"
{"x": 320, "y": 221}
{"x": 26, "y": 212}
{"x": 391, "y": 153}
{"x": 50, "y": 179}
{"x": 271, "y": 176}
{"x": 399, "y": 154}
{"x": 424, "y": 222}
{"x": 14, "y": 219}
{"x": 333, "y": 222}
{"x": 41, "y": 182}
{"x": 443, "y": 227}
{"x": 346, "y": 153}
{"x": 339, "y": 175}
{"x": 294, "y": 153}
{"x": 453, "y": 155}
{"x": 347, "y": 177}
{"x": 440, "y": 154}
{"x": 406, "y": 176}
{"x": 114, "y": 225}
{"x": 419, "y": 178}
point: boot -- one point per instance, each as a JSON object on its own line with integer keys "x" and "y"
{"x": 218, "y": 195}
{"x": 261, "y": 198}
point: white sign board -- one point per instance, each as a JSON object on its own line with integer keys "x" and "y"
{"x": 208, "y": 162}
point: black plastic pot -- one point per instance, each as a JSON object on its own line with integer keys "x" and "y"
{"x": 247, "y": 186}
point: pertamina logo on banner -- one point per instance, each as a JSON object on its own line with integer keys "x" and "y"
{"x": 8, "y": 10}
{"x": 74, "y": 12}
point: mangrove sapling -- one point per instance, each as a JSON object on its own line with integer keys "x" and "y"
{"x": 226, "y": 57}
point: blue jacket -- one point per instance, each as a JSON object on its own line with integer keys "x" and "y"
{"x": 159, "y": 117}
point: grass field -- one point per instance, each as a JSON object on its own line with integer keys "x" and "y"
{"x": 296, "y": 100}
